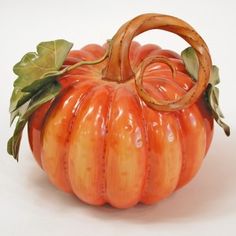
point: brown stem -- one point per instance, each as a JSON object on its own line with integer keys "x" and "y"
{"x": 119, "y": 68}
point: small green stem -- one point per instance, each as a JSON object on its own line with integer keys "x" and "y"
{"x": 81, "y": 63}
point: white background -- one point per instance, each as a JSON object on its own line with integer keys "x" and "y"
{"x": 30, "y": 205}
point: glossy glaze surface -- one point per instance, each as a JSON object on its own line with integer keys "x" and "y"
{"x": 100, "y": 141}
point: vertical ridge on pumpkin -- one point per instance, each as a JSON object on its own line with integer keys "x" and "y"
{"x": 125, "y": 152}
{"x": 165, "y": 151}
{"x": 147, "y": 145}
{"x": 193, "y": 142}
{"x": 164, "y": 140}
{"x": 35, "y": 125}
{"x": 104, "y": 170}
{"x": 164, "y": 156}
{"x": 56, "y": 132}
{"x": 86, "y": 149}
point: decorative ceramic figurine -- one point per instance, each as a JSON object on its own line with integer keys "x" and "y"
{"x": 120, "y": 123}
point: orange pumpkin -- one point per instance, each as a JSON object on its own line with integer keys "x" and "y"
{"x": 132, "y": 128}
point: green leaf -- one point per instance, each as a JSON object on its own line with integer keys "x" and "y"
{"x": 214, "y": 76}
{"x": 191, "y": 63}
{"x": 18, "y": 112}
{"x": 38, "y": 84}
{"x": 45, "y": 64}
{"x": 42, "y": 97}
{"x": 212, "y": 92}
{"x": 29, "y": 91}
{"x": 49, "y": 57}
{"x": 213, "y": 100}
{"x": 18, "y": 98}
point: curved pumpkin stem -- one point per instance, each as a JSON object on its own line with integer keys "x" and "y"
{"x": 119, "y": 68}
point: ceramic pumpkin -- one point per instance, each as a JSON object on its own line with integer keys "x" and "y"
{"x": 120, "y": 123}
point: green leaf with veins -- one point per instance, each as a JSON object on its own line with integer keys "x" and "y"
{"x": 37, "y": 83}
{"x": 212, "y": 92}
{"x": 191, "y": 62}
{"x": 40, "y": 66}
{"x": 42, "y": 97}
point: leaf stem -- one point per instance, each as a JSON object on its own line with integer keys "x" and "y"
{"x": 81, "y": 63}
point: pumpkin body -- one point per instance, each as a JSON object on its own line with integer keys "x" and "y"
{"x": 99, "y": 140}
